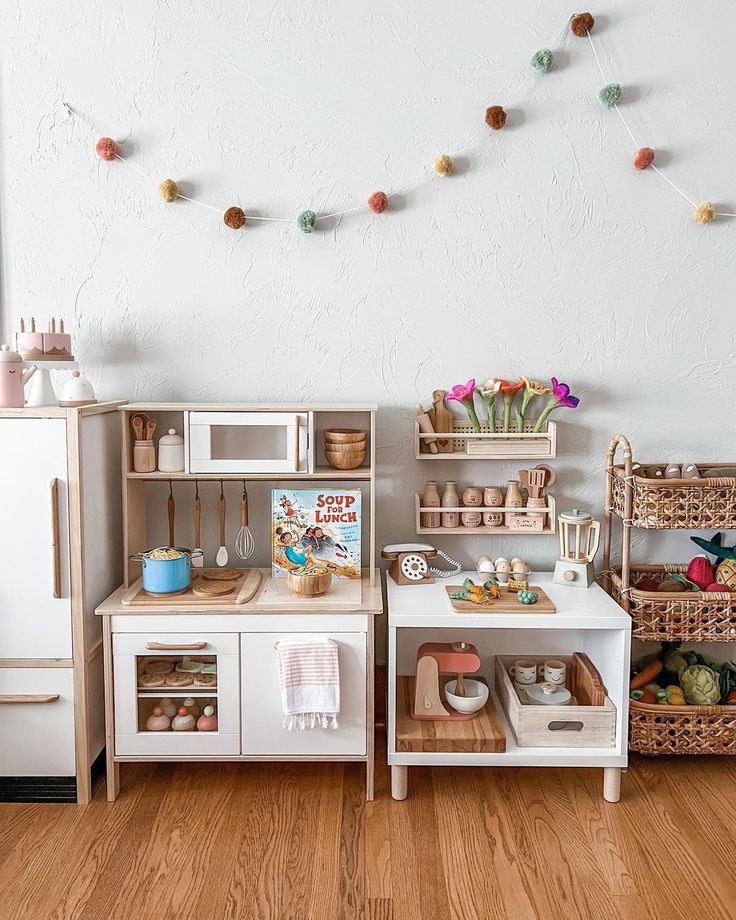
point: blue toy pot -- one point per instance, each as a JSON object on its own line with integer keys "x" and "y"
{"x": 167, "y": 576}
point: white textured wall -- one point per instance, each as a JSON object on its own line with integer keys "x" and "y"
{"x": 545, "y": 253}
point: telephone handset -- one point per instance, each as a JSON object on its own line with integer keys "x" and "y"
{"x": 409, "y": 564}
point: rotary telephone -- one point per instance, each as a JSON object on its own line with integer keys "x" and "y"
{"x": 409, "y": 564}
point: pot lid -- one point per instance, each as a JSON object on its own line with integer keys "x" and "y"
{"x": 575, "y": 516}
{"x": 171, "y": 438}
{"x": 6, "y": 355}
{"x": 561, "y": 696}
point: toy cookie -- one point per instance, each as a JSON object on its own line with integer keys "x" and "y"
{"x": 150, "y": 681}
{"x": 179, "y": 680}
{"x": 159, "y": 666}
{"x": 205, "y": 680}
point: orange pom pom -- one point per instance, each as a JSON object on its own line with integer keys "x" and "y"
{"x": 106, "y": 148}
{"x": 378, "y": 202}
{"x": 582, "y": 24}
{"x": 234, "y": 218}
{"x": 495, "y": 117}
{"x": 643, "y": 157}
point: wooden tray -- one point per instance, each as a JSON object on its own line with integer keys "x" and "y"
{"x": 246, "y": 585}
{"x": 484, "y": 735}
{"x": 507, "y": 603}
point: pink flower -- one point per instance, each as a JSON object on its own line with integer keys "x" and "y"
{"x": 561, "y": 392}
{"x": 462, "y": 393}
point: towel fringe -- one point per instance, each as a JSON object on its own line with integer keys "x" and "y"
{"x": 308, "y": 721}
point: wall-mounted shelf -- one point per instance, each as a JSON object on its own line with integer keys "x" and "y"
{"x": 549, "y": 524}
{"x": 485, "y": 445}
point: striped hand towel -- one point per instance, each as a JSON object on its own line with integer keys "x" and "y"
{"x": 309, "y": 680}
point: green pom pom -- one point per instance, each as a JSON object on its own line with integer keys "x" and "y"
{"x": 542, "y": 60}
{"x": 610, "y": 94}
{"x": 307, "y": 221}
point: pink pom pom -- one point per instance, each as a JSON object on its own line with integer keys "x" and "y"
{"x": 378, "y": 202}
{"x": 106, "y": 148}
{"x": 643, "y": 158}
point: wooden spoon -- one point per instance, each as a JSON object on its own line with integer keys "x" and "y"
{"x": 459, "y": 686}
{"x": 150, "y": 428}
{"x": 136, "y": 423}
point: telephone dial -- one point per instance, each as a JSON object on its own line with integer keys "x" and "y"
{"x": 409, "y": 565}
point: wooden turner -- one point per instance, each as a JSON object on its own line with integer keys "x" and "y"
{"x": 535, "y": 481}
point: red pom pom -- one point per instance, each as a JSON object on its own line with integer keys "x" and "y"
{"x": 106, "y": 148}
{"x": 582, "y": 24}
{"x": 378, "y": 202}
{"x": 495, "y": 117}
{"x": 643, "y": 157}
{"x": 234, "y": 218}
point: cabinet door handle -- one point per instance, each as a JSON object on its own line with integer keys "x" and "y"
{"x": 163, "y": 647}
{"x": 29, "y": 697}
{"x": 55, "y": 539}
{"x": 297, "y": 457}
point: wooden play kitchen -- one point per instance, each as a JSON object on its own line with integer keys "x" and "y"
{"x": 658, "y": 496}
{"x": 170, "y": 659}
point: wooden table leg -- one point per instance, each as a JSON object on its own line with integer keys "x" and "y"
{"x": 399, "y": 782}
{"x": 612, "y": 784}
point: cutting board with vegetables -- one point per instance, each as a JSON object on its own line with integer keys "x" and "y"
{"x": 203, "y": 591}
{"x": 506, "y": 603}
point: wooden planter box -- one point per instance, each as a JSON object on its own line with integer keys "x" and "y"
{"x": 554, "y": 726}
{"x": 496, "y": 445}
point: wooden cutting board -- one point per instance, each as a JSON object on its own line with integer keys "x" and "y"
{"x": 484, "y": 735}
{"x": 507, "y": 603}
{"x": 245, "y": 586}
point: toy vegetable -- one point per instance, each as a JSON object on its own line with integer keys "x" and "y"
{"x": 643, "y": 696}
{"x": 647, "y": 674}
{"x": 726, "y": 569}
{"x": 526, "y": 596}
{"x": 700, "y": 685}
{"x": 672, "y": 696}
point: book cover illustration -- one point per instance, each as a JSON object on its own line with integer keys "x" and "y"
{"x": 316, "y": 528}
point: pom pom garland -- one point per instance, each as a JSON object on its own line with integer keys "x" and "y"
{"x": 168, "y": 190}
{"x": 542, "y": 60}
{"x": 610, "y": 94}
{"x": 582, "y": 24}
{"x": 106, "y": 148}
{"x": 643, "y": 157}
{"x": 495, "y": 117}
{"x": 443, "y": 165}
{"x": 705, "y": 213}
{"x": 234, "y": 218}
{"x": 307, "y": 221}
{"x": 378, "y": 202}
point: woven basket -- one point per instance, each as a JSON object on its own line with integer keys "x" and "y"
{"x": 661, "y": 729}
{"x": 687, "y": 616}
{"x": 674, "y": 504}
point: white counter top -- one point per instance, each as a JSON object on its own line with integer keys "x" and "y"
{"x": 577, "y": 608}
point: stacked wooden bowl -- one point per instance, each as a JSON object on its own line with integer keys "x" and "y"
{"x": 345, "y": 448}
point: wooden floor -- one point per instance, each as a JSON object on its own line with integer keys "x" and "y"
{"x": 257, "y": 841}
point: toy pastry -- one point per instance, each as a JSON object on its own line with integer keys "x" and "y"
{"x": 207, "y": 722}
{"x": 205, "y": 680}
{"x": 183, "y": 721}
{"x": 168, "y": 706}
{"x": 159, "y": 666}
{"x": 179, "y": 680}
{"x": 158, "y": 721}
{"x": 150, "y": 681}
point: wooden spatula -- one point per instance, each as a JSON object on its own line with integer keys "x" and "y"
{"x": 222, "y": 557}
{"x": 536, "y": 479}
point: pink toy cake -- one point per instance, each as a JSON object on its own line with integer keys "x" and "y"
{"x": 29, "y": 344}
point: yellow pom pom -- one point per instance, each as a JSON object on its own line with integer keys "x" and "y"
{"x": 705, "y": 213}
{"x": 443, "y": 165}
{"x": 168, "y": 190}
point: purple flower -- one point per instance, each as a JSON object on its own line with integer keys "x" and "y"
{"x": 561, "y": 392}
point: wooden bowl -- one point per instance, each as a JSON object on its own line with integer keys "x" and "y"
{"x": 309, "y": 584}
{"x": 344, "y": 436}
{"x": 347, "y": 460}
{"x": 345, "y": 448}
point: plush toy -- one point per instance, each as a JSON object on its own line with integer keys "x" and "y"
{"x": 700, "y": 685}
{"x": 527, "y": 597}
{"x": 726, "y": 569}
{"x": 700, "y": 571}
{"x": 672, "y": 695}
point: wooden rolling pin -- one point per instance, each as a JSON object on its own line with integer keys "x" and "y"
{"x": 425, "y": 427}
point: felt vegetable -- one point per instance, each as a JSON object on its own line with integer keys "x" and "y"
{"x": 718, "y": 588}
{"x": 647, "y": 674}
{"x": 647, "y": 584}
{"x": 675, "y": 662}
{"x": 527, "y": 597}
{"x": 672, "y": 695}
{"x": 726, "y": 570}
{"x": 653, "y": 688}
{"x": 700, "y": 571}
{"x": 700, "y": 685}
{"x": 731, "y": 697}
{"x": 643, "y": 696}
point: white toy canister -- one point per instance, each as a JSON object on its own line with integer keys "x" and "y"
{"x": 171, "y": 452}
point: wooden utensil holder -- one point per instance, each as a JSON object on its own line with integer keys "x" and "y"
{"x": 144, "y": 457}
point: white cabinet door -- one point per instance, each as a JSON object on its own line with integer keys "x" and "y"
{"x": 33, "y": 623}
{"x": 37, "y": 722}
{"x": 263, "y": 732}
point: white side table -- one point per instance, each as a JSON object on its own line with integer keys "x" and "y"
{"x": 587, "y": 620}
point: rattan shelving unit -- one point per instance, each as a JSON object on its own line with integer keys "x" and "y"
{"x": 647, "y": 503}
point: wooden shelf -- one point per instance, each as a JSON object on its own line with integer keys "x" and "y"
{"x": 158, "y": 692}
{"x": 362, "y": 473}
{"x": 490, "y": 445}
{"x": 549, "y": 528}
{"x": 484, "y": 735}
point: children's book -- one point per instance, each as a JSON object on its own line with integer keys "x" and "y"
{"x": 316, "y": 528}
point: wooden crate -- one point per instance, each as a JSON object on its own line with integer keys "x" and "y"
{"x": 573, "y": 726}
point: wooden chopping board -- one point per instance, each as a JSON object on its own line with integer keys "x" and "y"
{"x": 507, "y": 603}
{"x": 484, "y": 735}
{"x": 245, "y": 586}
